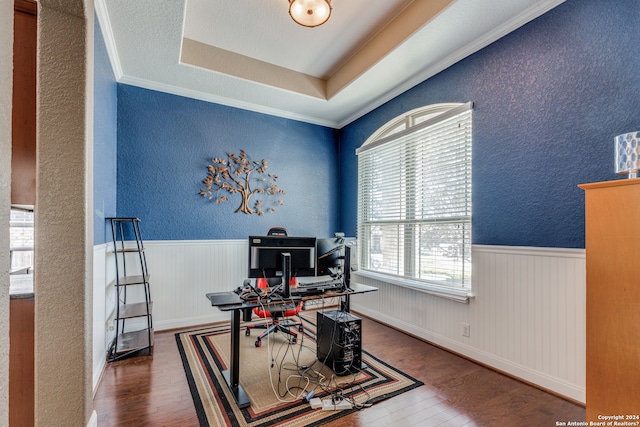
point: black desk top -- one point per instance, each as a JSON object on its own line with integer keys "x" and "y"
{"x": 226, "y": 301}
{"x": 219, "y": 299}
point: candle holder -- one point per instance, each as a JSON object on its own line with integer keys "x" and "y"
{"x": 627, "y": 148}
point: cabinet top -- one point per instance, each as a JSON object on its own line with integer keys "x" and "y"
{"x": 614, "y": 183}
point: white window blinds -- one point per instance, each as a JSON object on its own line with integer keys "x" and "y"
{"x": 414, "y": 201}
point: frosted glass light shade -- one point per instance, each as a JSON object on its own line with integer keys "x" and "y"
{"x": 310, "y": 13}
{"x": 627, "y": 148}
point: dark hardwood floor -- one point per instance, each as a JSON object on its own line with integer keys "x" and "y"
{"x": 153, "y": 391}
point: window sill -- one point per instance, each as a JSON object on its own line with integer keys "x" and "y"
{"x": 457, "y": 295}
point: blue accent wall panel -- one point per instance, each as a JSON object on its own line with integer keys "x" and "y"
{"x": 104, "y": 139}
{"x": 165, "y": 143}
{"x": 549, "y": 98}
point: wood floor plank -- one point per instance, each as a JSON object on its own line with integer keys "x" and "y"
{"x": 153, "y": 390}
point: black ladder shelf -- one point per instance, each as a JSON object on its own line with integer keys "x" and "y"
{"x": 131, "y": 317}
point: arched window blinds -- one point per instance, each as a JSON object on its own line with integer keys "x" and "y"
{"x": 414, "y": 198}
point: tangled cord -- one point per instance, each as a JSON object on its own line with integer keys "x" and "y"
{"x": 303, "y": 379}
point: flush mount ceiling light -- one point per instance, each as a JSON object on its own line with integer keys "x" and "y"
{"x": 310, "y": 13}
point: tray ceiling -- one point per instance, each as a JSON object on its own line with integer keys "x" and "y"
{"x": 250, "y": 54}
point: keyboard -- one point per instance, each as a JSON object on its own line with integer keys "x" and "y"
{"x": 317, "y": 288}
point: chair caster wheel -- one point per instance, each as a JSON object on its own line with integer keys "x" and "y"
{"x": 258, "y": 343}
{"x": 300, "y": 328}
{"x": 247, "y": 332}
{"x": 294, "y": 340}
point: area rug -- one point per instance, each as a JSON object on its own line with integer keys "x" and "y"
{"x": 277, "y": 377}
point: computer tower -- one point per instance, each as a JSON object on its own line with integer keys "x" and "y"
{"x": 339, "y": 341}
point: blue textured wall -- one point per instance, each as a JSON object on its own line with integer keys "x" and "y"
{"x": 549, "y": 99}
{"x": 165, "y": 143}
{"x": 105, "y": 139}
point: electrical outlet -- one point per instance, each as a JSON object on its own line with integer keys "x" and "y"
{"x": 466, "y": 330}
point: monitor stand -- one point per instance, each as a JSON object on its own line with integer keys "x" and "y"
{"x": 346, "y": 277}
{"x": 286, "y": 275}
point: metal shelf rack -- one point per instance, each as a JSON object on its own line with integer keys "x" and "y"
{"x": 132, "y": 314}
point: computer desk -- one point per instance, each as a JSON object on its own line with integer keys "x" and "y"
{"x": 230, "y": 301}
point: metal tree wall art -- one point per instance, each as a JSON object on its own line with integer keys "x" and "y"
{"x": 233, "y": 175}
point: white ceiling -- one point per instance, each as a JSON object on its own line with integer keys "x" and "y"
{"x": 250, "y": 54}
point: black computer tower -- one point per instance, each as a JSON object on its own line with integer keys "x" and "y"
{"x": 339, "y": 341}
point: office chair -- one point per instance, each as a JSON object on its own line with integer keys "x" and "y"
{"x": 276, "y": 313}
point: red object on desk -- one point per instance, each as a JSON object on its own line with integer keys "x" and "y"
{"x": 264, "y": 314}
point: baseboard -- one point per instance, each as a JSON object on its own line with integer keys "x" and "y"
{"x": 163, "y": 325}
{"x": 538, "y": 379}
{"x": 98, "y": 371}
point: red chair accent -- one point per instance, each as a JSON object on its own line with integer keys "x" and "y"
{"x": 276, "y": 324}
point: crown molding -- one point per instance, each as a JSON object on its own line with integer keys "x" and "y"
{"x": 499, "y": 32}
{"x": 203, "y": 96}
{"x": 103, "y": 17}
{"x": 109, "y": 40}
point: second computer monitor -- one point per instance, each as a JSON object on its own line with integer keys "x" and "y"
{"x": 331, "y": 255}
{"x": 265, "y": 256}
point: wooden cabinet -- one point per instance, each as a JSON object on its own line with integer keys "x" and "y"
{"x": 21, "y": 358}
{"x": 23, "y": 140}
{"x": 23, "y": 192}
{"x": 613, "y": 298}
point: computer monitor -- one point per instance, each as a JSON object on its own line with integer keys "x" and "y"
{"x": 331, "y": 255}
{"x": 266, "y": 260}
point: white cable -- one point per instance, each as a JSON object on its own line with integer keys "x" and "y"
{"x": 304, "y": 390}
{"x": 273, "y": 388}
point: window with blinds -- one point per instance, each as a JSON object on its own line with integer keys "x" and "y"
{"x": 414, "y": 198}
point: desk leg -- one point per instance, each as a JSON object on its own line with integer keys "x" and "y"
{"x": 232, "y": 375}
{"x": 344, "y": 304}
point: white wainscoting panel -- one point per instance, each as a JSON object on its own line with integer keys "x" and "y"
{"x": 183, "y": 272}
{"x": 99, "y": 315}
{"x": 527, "y": 317}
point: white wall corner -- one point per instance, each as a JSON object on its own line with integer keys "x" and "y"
{"x": 93, "y": 420}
